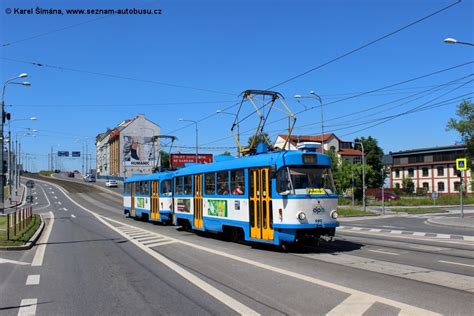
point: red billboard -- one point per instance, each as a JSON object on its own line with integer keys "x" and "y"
{"x": 178, "y": 160}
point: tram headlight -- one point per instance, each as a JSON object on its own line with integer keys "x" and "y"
{"x": 301, "y": 216}
{"x": 334, "y": 214}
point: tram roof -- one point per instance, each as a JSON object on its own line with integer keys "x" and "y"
{"x": 151, "y": 176}
{"x": 277, "y": 158}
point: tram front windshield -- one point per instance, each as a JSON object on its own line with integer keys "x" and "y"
{"x": 305, "y": 180}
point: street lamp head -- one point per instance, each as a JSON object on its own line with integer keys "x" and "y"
{"x": 450, "y": 40}
{"x": 297, "y": 96}
{"x": 218, "y": 111}
{"x": 26, "y": 83}
{"x": 23, "y": 75}
{"x": 33, "y": 118}
{"x": 180, "y": 119}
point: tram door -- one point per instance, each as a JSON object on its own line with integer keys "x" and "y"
{"x": 155, "y": 212}
{"x": 132, "y": 199}
{"x": 198, "y": 205}
{"x": 260, "y": 206}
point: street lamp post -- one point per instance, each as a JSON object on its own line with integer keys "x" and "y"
{"x": 238, "y": 127}
{"x": 363, "y": 174}
{"x": 2, "y": 173}
{"x": 450, "y": 40}
{"x": 18, "y": 158}
{"x": 317, "y": 97}
{"x": 197, "y": 143}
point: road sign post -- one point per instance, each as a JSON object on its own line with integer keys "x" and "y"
{"x": 434, "y": 196}
{"x": 461, "y": 165}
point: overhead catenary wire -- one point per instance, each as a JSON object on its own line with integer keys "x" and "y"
{"x": 364, "y": 46}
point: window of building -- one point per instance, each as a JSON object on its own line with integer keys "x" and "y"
{"x": 223, "y": 183}
{"x": 411, "y": 172}
{"x": 333, "y": 148}
{"x": 397, "y": 185}
{"x": 440, "y": 171}
{"x": 210, "y": 183}
{"x": 425, "y": 172}
{"x": 426, "y": 186}
{"x": 397, "y": 173}
{"x": 237, "y": 182}
{"x": 357, "y": 160}
{"x": 441, "y": 186}
{"x": 457, "y": 184}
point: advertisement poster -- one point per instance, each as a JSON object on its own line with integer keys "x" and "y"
{"x": 138, "y": 151}
{"x": 140, "y": 202}
{"x": 178, "y": 160}
{"x": 184, "y": 205}
{"x": 217, "y": 208}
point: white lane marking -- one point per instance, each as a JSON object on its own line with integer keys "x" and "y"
{"x": 405, "y": 308}
{"x": 138, "y": 235}
{"x": 457, "y": 263}
{"x": 58, "y": 203}
{"x": 49, "y": 203}
{"x": 36, "y": 197}
{"x": 398, "y": 232}
{"x": 13, "y": 262}
{"x": 419, "y": 234}
{"x": 39, "y": 255}
{"x": 55, "y": 197}
{"x": 28, "y": 307}
{"x": 357, "y": 228}
{"x": 165, "y": 242}
{"x": 206, "y": 287}
{"x": 353, "y": 305}
{"x": 469, "y": 238}
{"x": 385, "y": 252}
{"x": 73, "y": 216}
{"x": 385, "y": 226}
{"x": 33, "y": 279}
{"x": 375, "y": 230}
{"x": 443, "y": 236}
{"x": 149, "y": 239}
{"x": 34, "y": 193}
{"x": 65, "y": 209}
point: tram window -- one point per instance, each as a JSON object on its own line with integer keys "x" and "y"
{"x": 126, "y": 189}
{"x": 210, "y": 181}
{"x": 188, "y": 184}
{"x": 223, "y": 183}
{"x": 144, "y": 188}
{"x": 179, "y": 185}
{"x": 283, "y": 181}
{"x": 237, "y": 182}
{"x": 166, "y": 187}
{"x": 309, "y": 180}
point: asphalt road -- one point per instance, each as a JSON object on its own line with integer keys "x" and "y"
{"x": 96, "y": 261}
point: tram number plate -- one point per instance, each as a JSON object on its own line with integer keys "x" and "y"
{"x": 318, "y": 221}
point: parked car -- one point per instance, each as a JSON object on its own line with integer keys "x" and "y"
{"x": 387, "y": 196}
{"x": 111, "y": 183}
{"x": 71, "y": 175}
{"x": 89, "y": 178}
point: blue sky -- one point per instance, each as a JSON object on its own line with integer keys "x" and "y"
{"x": 214, "y": 50}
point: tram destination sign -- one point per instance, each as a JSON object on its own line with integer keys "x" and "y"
{"x": 178, "y": 160}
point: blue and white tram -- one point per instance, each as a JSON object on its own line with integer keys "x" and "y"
{"x": 277, "y": 198}
{"x": 149, "y": 196}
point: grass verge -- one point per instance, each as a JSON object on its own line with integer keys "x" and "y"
{"x": 21, "y": 238}
{"x": 424, "y": 210}
{"x": 352, "y": 212}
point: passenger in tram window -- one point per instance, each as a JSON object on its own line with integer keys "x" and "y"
{"x": 223, "y": 189}
{"x": 237, "y": 190}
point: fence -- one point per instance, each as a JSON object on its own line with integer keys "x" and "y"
{"x": 18, "y": 221}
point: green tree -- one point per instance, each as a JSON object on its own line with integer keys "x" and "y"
{"x": 226, "y": 153}
{"x": 260, "y": 138}
{"x": 347, "y": 174}
{"x": 165, "y": 160}
{"x": 464, "y": 126}
{"x": 408, "y": 186}
{"x": 373, "y": 158}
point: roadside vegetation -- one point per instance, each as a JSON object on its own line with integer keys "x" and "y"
{"x": 22, "y": 237}
{"x": 45, "y": 173}
{"x": 354, "y": 212}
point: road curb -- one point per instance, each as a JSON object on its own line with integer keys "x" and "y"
{"x": 434, "y": 222}
{"x": 30, "y": 243}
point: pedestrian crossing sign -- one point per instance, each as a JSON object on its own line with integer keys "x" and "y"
{"x": 461, "y": 164}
